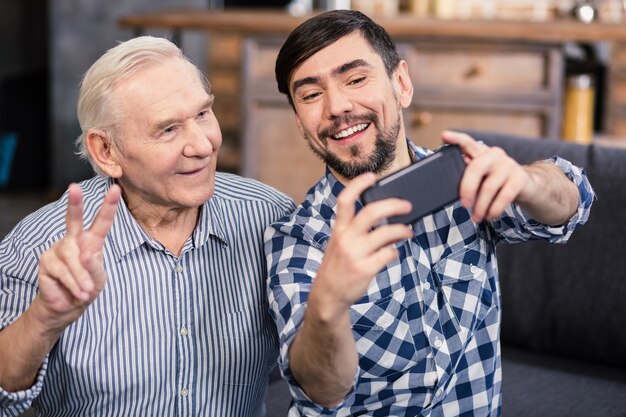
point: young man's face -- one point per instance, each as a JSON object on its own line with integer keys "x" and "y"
{"x": 169, "y": 137}
{"x": 349, "y": 110}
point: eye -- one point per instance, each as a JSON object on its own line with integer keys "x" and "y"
{"x": 357, "y": 81}
{"x": 203, "y": 114}
{"x": 309, "y": 97}
{"x": 168, "y": 131}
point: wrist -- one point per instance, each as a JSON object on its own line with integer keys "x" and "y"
{"x": 42, "y": 323}
{"x": 325, "y": 308}
{"x": 535, "y": 182}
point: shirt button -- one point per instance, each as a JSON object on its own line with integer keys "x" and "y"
{"x": 179, "y": 268}
{"x": 183, "y": 331}
{"x": 426, "y": 285}
{"x": 473, "y": 269}
{"x": 184, "y": 392}
{"x": 438, "y": 343}
{"x": 384, "y": 321}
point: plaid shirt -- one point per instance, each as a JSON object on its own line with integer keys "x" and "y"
{"x": 427, "y": 330}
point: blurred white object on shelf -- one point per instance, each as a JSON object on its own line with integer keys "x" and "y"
{"x": 386, "y": 8}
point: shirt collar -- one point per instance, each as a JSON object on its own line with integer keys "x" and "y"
{"x": 126, "y": 234}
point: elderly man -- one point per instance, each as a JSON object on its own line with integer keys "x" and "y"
{"x": 396, "y": 320}
{"x": 141, "y": 291}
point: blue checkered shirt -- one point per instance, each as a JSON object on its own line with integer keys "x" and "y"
{"x": 427, "y": 330}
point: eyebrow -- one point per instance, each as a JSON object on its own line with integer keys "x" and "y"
{"x": 167, "y": 122}
{"x": 342, "y": 69}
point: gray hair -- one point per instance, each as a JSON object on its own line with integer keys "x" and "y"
{"x": 95, "y": 109}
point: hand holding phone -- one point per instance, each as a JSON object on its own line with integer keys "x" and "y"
{"x": 429, "y": 184}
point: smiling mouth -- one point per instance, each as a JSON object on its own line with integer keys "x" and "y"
{"x": 195, "y": 171}
{"x": 350, "y": 131}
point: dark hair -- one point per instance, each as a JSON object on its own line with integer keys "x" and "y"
{"x": 324, "y": 29}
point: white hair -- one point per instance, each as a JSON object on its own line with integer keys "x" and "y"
{"x": 95, "y": 109}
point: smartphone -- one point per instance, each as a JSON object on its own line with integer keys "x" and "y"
{"x": 429, "y": 184}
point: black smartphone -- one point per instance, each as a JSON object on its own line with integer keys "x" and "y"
{"x": 429, "y": 184}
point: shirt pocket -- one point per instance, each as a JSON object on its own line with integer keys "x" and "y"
{"x": 463, "y": 280}
{"x": 383, "y": 337}
{"x": 245, "y": 347}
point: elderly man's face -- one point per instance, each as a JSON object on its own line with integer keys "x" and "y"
{"x": 169, "y": 137}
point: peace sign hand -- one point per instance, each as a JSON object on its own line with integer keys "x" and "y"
{"x": 71, "y": 272}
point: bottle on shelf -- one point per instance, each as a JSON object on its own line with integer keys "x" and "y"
{"x": 578, "y": 113}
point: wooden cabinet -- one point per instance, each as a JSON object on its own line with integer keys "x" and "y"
{"x": 224, "y": 64}
{"x": 273, "y": 151}
{"x": 615, "y": 120}
{"x": 485, "y": 86}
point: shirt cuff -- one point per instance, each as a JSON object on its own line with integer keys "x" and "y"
{"x": 561, "y": 234}
{"x": 302, "y": 401}
{"x": 15, "y": 403}
{"x": 308, "y": 407}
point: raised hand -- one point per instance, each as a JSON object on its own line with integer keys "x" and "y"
{"x": 355, "y": 252}
{"x": 71, "y": 272}
{"x": 323, "y": 355}
{"x": 492, "y": 179}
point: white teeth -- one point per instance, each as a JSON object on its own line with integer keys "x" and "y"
{"x": 350, "y": 131}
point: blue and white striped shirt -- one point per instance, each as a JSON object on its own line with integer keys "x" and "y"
{"x": 168, "y": 336}
{"x": 427, "y": 329}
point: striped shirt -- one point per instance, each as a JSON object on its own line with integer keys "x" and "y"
{"x": 427, "y": 329}
{"x": 186, "y": 335}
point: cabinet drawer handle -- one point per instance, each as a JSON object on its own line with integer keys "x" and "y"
{"x": 421, "y": 118}
{"x": 474, "y": 71}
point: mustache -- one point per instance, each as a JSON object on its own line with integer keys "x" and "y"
{"x": 347, "y": 119}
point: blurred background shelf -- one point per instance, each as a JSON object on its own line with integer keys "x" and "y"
{"x": 483, "y": 74}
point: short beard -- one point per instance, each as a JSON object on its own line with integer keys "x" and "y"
{"x": 380, "y": 159}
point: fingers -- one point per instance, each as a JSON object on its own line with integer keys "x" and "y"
{"x": 61, "y": 263}
{"x": 385, "y": 236}
{"x": 374, "y": 213}
{"x": 104, "y": 219}
{"x": 491, "y": 181}
{"x": 348, "y": 197}
{"x": 374, "y": 263}
{"x": 75, "y": 262}
{"x": 470, "y": 147}
{"x": 92, "y": 242}
{"x": 74, "y": 214}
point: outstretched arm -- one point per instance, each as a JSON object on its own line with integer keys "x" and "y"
{"x": 71, "y": 275}
{"x": 493, "y": 180}
{"x": 323, "y": 356}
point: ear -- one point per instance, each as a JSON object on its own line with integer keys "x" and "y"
{"x": 403, "y": 84}
{"x": 103, "y": 152}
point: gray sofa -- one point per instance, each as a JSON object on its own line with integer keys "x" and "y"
{"x": 564, "y": 306}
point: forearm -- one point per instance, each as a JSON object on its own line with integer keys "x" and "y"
{"x": 323, "y": 356}
{"x": 554, "y": 199}
{"x": 24, "y": 345}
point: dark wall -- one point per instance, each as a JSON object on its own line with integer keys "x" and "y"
{"x": 24, "y": 99}
{"x": 80, "y": 32}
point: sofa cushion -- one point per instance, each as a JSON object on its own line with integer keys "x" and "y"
{"x": 540, "y": 385}
{"x": 570, "y": 300}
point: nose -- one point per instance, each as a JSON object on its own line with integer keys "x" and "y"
{"x": 202, "y": 139}
{"x": 338, "y": 102}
